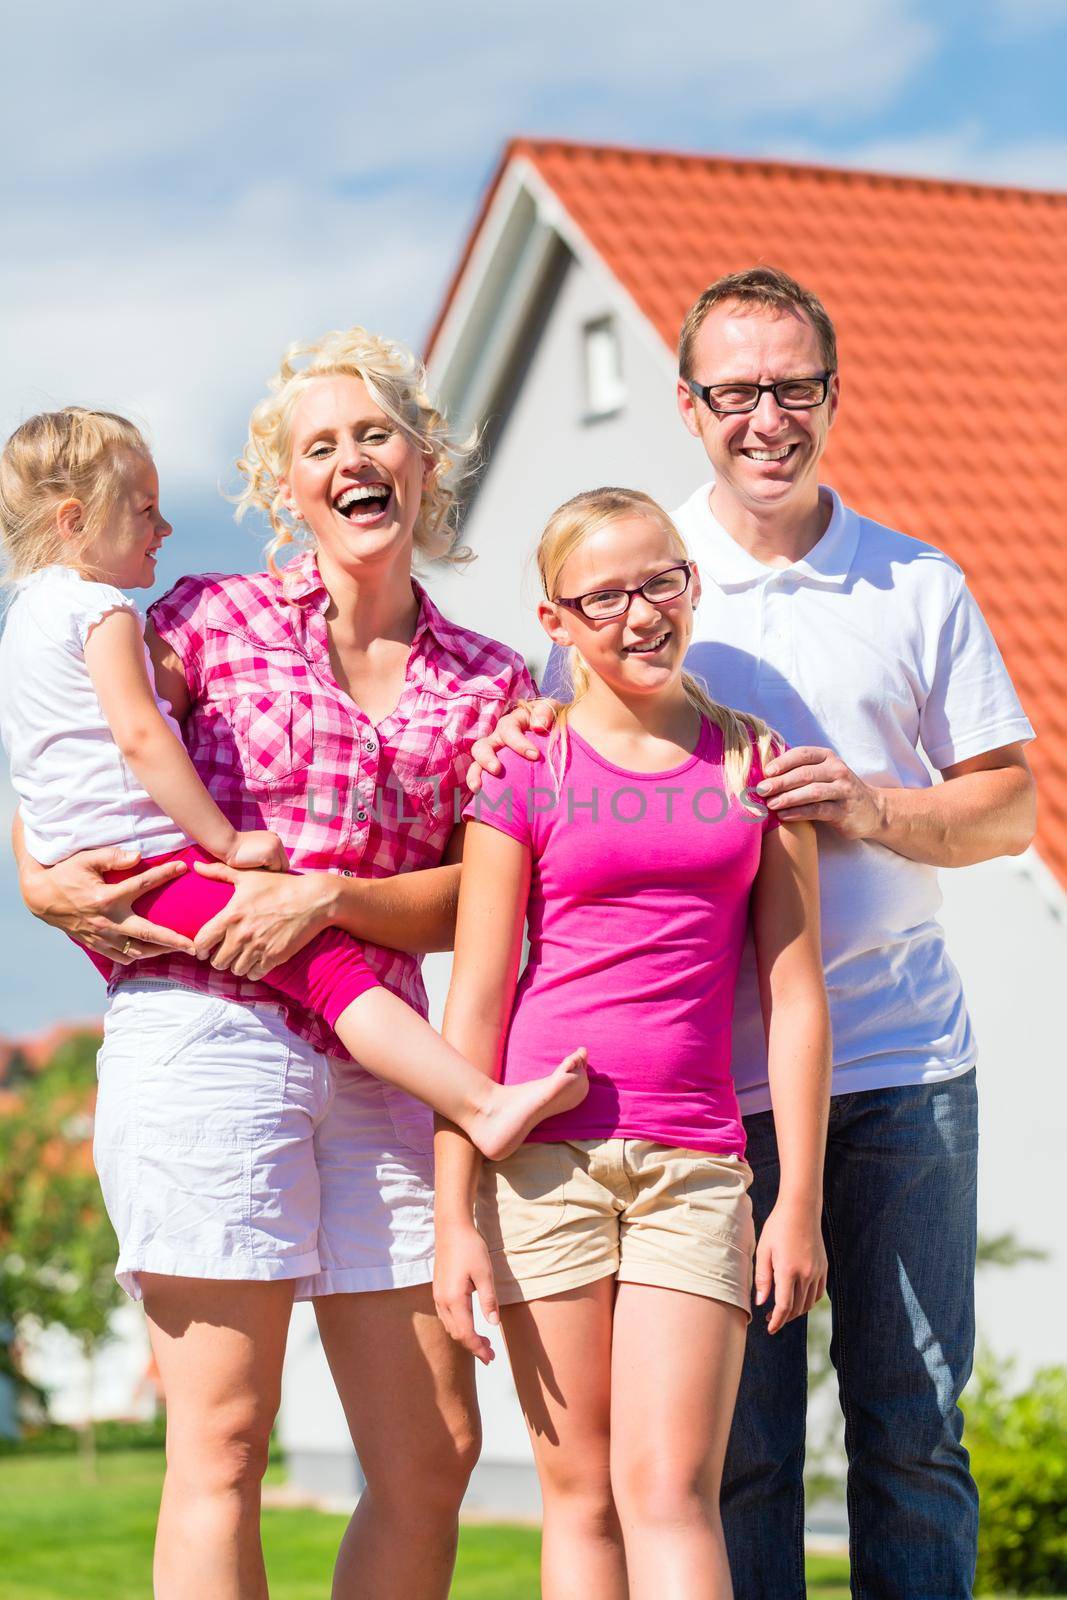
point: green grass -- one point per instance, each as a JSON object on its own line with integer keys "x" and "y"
{"x": 64, "y": 1539}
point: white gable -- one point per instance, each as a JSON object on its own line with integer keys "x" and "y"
{"x": 545, "y": 446}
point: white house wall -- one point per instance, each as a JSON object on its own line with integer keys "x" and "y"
{"x": 1008, "y": 937}
{"x": 546, "y": 452}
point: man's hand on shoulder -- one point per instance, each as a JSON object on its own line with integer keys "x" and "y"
{"x": 529, "y": 716}
{"x": 812, "y": 784}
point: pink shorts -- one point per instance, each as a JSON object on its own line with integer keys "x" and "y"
{"x": 324, "y": 977}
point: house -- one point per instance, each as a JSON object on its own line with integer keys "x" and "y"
{"x": 556, "y": 340}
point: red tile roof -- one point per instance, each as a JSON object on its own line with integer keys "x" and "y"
{"x": 950, "y": 302}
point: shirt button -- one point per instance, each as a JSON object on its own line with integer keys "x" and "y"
{"x": 345, "y": 873}
{"x": 361, "y": 816}
{"x": 371, "y": 745}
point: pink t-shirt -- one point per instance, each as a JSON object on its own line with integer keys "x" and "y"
{"x": 638, "y": 908}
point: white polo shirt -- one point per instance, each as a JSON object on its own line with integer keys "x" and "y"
{"x": 872, "y": 646}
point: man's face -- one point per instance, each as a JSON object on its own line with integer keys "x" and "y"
{"x": 767, "y": 459}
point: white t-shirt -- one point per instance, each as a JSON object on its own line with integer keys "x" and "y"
{"x": 871, "y": 646}
{"x": 75, "y": 790}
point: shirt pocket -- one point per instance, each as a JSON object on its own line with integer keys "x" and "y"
{"x": 276, "y": 737}
{"x": 431, "y": 756}
{"x": 422, "y": 758}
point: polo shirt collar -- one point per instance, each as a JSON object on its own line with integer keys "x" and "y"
{"x": 829, "y": 562}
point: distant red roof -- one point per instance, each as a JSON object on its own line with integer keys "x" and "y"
{"x": 37, "y": 1049}
{"x": 950, "y": 302}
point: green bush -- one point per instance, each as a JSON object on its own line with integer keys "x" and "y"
{"x": 1018, "y": 1445}
{"x": 53, "y": 1439}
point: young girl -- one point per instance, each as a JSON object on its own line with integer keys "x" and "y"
{"x": 620, "y": 1234}
{"x": 96, "y": 758}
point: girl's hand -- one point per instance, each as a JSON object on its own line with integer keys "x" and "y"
{"x": 461, "y": 1270}
{"x": 269, "y": 918}
{"x": 74, "y": 896}
{"x": 791, "y": 1259}
{"x": 257, "y": 849}
{"x": 510, "y": 733}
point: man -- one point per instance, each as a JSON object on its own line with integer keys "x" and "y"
{"x": 861, "y": 646}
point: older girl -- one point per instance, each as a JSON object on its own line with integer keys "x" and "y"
{"x": 331, "y": 702}
{"x": 620, "y": 1234}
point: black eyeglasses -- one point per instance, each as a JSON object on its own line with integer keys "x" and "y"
{"x": 600, "y": 604}
{"x": 792, "y": 394}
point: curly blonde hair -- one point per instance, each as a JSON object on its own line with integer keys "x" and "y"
{"x": 396, "y": 379}
{"x": 566, "y": 531}
{"x": 73, "y": 454}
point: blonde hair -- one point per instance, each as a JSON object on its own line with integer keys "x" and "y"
{"x": 396, "y": 379}
{"x": 766, "y": 289}
{"x": 73, "y": 454}
{"x": 567, "y": 530}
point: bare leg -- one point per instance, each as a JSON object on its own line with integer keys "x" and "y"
{"x": 395, "y": 1043}
{"x": 219, "y": 1347}
{"x": 408, "y": 1393}
{"x": 560, "y": 1350}
{"x": 676, "y": 1364}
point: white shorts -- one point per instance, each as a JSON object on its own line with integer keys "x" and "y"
{"x": 229, "y": 1148}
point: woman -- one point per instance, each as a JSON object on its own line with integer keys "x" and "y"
{"x": 620, "y": 1234}
{"x": 243, "y": 1164}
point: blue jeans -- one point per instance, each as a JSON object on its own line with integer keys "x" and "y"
{"x": 899, "y": 1221}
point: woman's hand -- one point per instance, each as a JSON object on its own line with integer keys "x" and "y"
{"x": 270, "y": 917}
{"x": 461, "y": 1270}
{"x": 74, "y": 896}
{"x": 537, "y": 716}
{"x": 791, "y": 1259}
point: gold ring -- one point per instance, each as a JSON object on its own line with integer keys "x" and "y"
{"x": 127, "y": 947}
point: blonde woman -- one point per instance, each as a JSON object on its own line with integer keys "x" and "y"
{"x": 617, "y": 1241}
{"x": 246, "y": 1161}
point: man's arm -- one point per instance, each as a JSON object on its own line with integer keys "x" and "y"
{"x": 75, "y": 896}
{"x": 986, "y": 807}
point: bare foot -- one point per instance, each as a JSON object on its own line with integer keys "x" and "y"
{"x": 509, "y": 1114}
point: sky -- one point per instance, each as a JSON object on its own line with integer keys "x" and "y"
{"x": 186, "y": 189}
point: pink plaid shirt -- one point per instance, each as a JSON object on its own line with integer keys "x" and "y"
{"x": 279, "y": 745}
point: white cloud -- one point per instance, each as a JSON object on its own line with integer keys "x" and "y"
{"x": 247, "y": 90}
{"x": 186, "y": 189}
{"x": 963, "y": 151}
{"x": 1027, "y": 15}
{"x": 184, "y": 334}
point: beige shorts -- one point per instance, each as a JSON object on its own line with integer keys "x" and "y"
{"x": 557, "y": 1216}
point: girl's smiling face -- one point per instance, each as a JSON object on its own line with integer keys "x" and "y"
{"x": 354, "y": 478}
{"x": 123, "y": 552}
{"x": 641, "y": 652}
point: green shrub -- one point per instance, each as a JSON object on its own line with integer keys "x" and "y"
{"x": 54, "y": 1439}
{"x": 1018, "y": 1445}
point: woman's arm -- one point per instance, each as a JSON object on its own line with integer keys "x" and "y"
{"x": 785, "y": 915}
{"x": 114, "y": 656}
{"x": 413, "y": 911}
{"x": 489, "y": 925}
{"x": 270, "y": 918}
